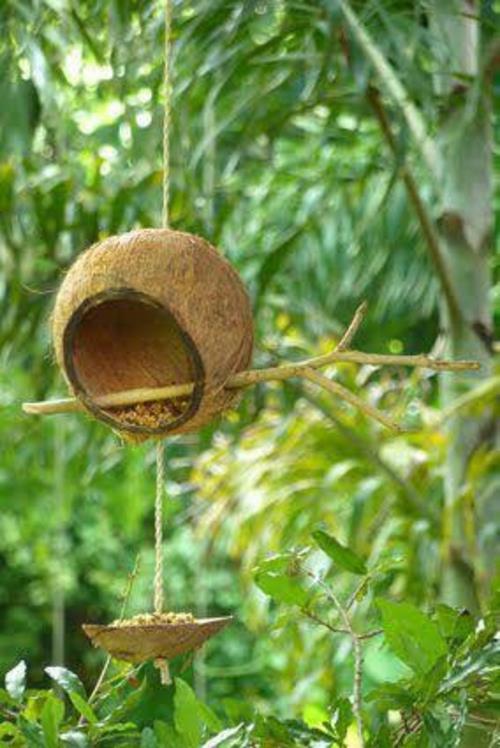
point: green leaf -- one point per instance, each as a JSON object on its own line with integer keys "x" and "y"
{"x": 411, "y": 635}
{"x": 51, "y": 717}
{"x": 67, "y": 680}
{"x": 148, "y": 739}
{"x": 128, "y": 704}
{"x": 6, "y": 698}
{"x": 186, "y": 715}
{"x": 341, "y": 718}
{"x": 340, "y": 554}
{"x": 75, "y": 739}
{"x": 221, "y": 738}
{"x": 209, "y": 717}
{"x": 283, "y": 588}
{"x": 83, "y": 707}
{"x": 32, "y": 732}
{"x": 8, "y": 730}
{"x": 15, "y": 681}
{"x": 455, "y": 625}
{"x": 166, "y": 735}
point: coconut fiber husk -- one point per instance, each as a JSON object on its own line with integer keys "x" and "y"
{"x": 153, "y": 308}
{"x": 136, "y": 643}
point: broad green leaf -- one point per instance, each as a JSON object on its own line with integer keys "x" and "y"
{"x": 68, "y": 681}
{"x": 283, "y": 588}
{"x": 209, "y": 717}
{"x": 15, "y": 681}
{"x": 51, "y": 717}
{"x": 455, "y": 625}
{"x": 411, "y": 635}
{"x": 83, "y": 707}
{"x": 166, "y": 735}
{"x": 186, "y": 714}
{"x": 340, "y": 554}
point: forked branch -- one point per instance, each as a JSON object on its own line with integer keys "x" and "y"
{"x": 304, "y": 369}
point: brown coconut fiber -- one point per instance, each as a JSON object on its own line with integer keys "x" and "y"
{"x": 138, "y": 642}
{"x": 153, "y": 308}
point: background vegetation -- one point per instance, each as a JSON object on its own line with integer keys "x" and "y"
{"x": 336, "y": 152}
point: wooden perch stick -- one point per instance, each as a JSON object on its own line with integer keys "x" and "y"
{"x": 305, "y": 369}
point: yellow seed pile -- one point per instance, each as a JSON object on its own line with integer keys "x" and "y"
{"x": 152, "y": 619}
{"x": 152, "y": 415}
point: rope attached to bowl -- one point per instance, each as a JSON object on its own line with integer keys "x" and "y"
{"x": 162, "y": 664}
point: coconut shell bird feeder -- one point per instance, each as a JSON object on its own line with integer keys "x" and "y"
{"x": 153, "y": 308}
{"x": 148, "y": 309}
{"x": 153, "y": 333}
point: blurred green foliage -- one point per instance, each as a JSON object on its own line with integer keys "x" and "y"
{"x": 277, "y": 159}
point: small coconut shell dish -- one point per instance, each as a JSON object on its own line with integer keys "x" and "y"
{"x": 136, "y": 643}
{"x": 153, "y": 308}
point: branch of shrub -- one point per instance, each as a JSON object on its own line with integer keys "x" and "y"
{"x": 304, "y": 369}
{"x": 356, "y": 645}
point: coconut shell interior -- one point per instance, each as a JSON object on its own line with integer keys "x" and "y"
{"x": 139, "y": 643}
{"x": 123, "y": 340}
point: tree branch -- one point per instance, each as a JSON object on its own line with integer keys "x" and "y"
{"x": 358, "y": 654}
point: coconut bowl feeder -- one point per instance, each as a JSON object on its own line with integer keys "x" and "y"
{"x": 153, "y": 333}
{"x": 143, "y": 310}
{"x": 149, "y": 309}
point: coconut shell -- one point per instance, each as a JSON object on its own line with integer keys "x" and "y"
{"x": 140, "y": 643}
{"x": 153, "y": 308}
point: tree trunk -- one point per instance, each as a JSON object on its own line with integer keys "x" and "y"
{"x": 465, "y": 227}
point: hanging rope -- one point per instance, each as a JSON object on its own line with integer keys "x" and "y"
{"x": 160, "y": 484}
{"x": 167, "y": 97}
{"x": 160, "y": 451}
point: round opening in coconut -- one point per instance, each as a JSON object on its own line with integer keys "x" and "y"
{"x": 152, "y": 309}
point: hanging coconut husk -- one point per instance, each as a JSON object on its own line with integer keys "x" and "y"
{"x": 153, "y": 308}
{"x": 160, "y": 639}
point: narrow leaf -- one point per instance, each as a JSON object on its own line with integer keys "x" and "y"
{"x": 340, "y": 554}
{"x": 75, "y": 739}
{"x": 67, "y": 680}
{"x": 219, "y": 739}
{"x": 83, "y": 707}
{"x": 51, "y": 717}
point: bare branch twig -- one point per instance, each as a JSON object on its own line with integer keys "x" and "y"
{"x": 305, "y": 369}
{"x": 337, "y": 389}
{"x": 248, "y": 378}
{"x": 347, "y": 338}
{"x": 358, "y": 654}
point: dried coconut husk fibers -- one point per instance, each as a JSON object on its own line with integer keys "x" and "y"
{"x": 153, "y": 308}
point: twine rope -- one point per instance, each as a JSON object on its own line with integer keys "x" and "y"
{"x": 160, "y": 451}
{"x": 167, "y": 111}
{"x": 160, "y": 485}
